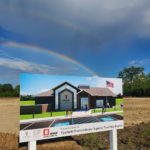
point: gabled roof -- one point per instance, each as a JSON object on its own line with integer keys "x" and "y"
{"x": 96, "y": 91}
{"x": 46, "y": 93}
{"x": 93, "y": 91}
{"x": 64, "y": 84}
{"x": 50, "y": 92}
{"x": 81, "y": 91}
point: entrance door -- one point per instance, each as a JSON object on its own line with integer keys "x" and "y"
{"x": 84, "y": 103}
{"x": 66, "y": 100}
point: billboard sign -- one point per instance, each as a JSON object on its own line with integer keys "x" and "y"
{"x": 59, "y": 106}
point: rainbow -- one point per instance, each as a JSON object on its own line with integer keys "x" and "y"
{"x": 55, "y": 54}
{"x": 61, "y": 21}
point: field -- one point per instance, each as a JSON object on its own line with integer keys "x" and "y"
{"x": 136, "y": 111}
{"x": 9, "y": 115}
{"x": 135, "y": 136}
{"x": 9, "y": 123}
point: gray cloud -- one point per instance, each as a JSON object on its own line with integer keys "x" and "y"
{"x": 27, "y": 66}
{"x": 139, "y": 62}
{"x": 11, "y": 68}
{"x": 24, "y": 65}
{"x": 80, "y": 24}
{"x": 71, "y": 26}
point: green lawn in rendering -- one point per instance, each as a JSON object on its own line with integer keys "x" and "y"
{"x": 107, "y": 110}
{"x": 32, "y": 102}
{"x": 63, "y": 113}
{"x": 119, "y": 101}
{"x": 42, "y": 115}
{"x": 27, "y": 102}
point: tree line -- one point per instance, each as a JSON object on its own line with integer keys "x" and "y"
{"x": 135, "y": 82}
{"x": 7, "y": 90}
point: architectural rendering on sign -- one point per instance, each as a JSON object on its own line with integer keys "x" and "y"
{"x": 66, "y": 96}
{"x": 42, "y": 94}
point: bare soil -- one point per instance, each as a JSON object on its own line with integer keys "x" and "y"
{"x": 135, "y": 137}
{"x": 136, "y": 110}
{"x": 9, "y": 115}
{"x": 9, "y": 123}
{"x": 136, "y": 134}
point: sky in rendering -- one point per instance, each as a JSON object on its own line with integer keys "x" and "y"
{"x": 32, "y": 84}
{"x": 73, "y": 37}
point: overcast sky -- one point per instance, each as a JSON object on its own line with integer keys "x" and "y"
{"x": 84, "y": 37}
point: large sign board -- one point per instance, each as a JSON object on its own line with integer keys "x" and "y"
{"x": 59, "y": 106}
{"x": 54, "y": 132}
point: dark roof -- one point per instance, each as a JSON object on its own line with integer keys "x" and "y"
{"x": 64, "y": 84}
{"x": 83, "y": 91}
{"x": 93, "y": 91}
{"x": 83, "y": 86}
{"x": 50, "y": 92}
{"x": 96, "y": 91}
{"x": 46, "y": 93}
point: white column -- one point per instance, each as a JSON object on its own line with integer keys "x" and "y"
{"x": 56, "y": 100}
{"x": 32, "y": 145}
{"x": 113, "y": 139}
{"x": 75, "y": 100}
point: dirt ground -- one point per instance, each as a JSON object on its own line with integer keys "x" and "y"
{"x": 9, "y": 115}
{"x": 136, "y": 115}
{"x": 136, "y": 110}
{"x": 9, "y": 123}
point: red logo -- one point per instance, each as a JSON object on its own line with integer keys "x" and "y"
{"x": 46, "y": 132}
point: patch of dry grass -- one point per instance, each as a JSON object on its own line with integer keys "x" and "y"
{"x": 8, "y": 141}
{"x": 136, "y": 110}
{"x": 9, "y": 115}
{"x": 66, "y": 143}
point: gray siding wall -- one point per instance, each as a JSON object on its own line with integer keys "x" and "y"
{"x": 46, "y": 100}
{"x": 92, "y": 100}
{"x": 37, "y": 109}
{"x": 30, "y": 109}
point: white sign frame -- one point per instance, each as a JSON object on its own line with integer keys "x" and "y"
{"x": 31, "y": 136}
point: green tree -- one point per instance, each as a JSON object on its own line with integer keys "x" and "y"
{"x": 7, "y": 90}
{"x": 135, "y": 81}
{"x": 131, "y": 73}
{"x": 16, "y": 91}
